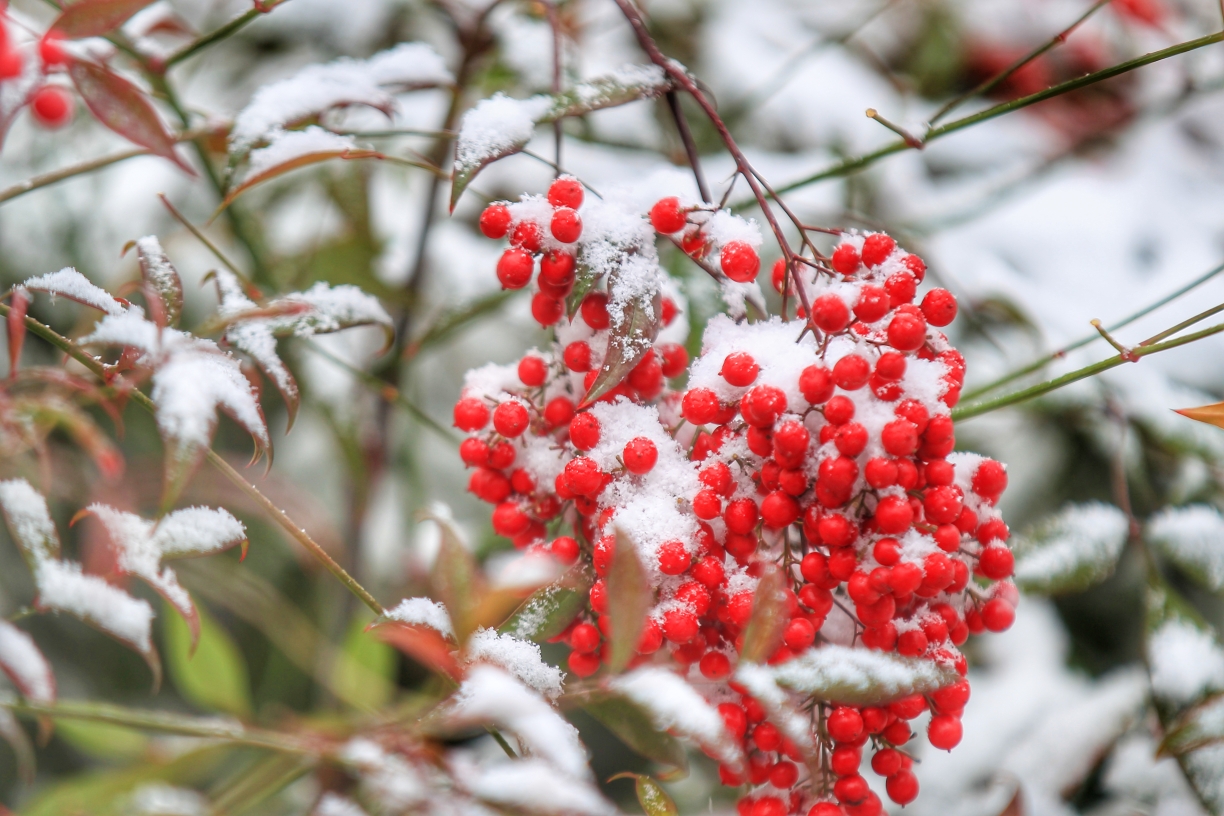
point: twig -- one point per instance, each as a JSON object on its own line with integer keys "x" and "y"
{"x": 910, "y": 139}
{"x": 690, "y": 147}
{"x": 203, "y": 239}
{"x": 1201, "y": 316}
{"x": 554, "y": 22}
{"x": 1109, "y": 338}
{"x": 56, "y": 176}
{"x": 216, "y": 35}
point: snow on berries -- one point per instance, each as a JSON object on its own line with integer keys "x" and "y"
{"x": 820, "y": 452}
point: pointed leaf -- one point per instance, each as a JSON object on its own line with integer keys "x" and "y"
{"x": 629, "y": 341}
{"x": 456, "y": 579}
{"x": 95, "y": 18}
{"x": 71, "y": 284}
{"x": 215, "y": 677}
{"x": 653, "y": 799}
{"x": 124, "y": 108}
{"x": 295, "y": 163}
{"x": 422, "y": 644}
{"x": 629, "y": 598}
{"x": 29, "y": 521}
{"x": 634, "y": 727}
{"x": 763, "y": 634}
{"x": 1210, "y": 414}
{"x": 19, "y": 304}
{"x": 25, "y": 665}
{"x": 840, "y": 674}
{"x": 161, "y": 277}
{"x": 550, "y": 610}
{"x": 103, "y": 741}
{"x": 501, "y": 126}
{"x": 585, "y": 279}
{"x": 1071, "y": 550}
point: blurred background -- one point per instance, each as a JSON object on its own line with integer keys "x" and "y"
{"x": 1094, "y": 204}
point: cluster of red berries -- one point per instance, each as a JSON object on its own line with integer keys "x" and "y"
{"x": 50, "y": 105}
{"x": 827, "y": 453}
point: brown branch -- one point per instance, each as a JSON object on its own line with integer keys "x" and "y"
{"x": 690, "y": 147}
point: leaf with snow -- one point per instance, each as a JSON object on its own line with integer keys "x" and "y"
{"x": 629, "y": 598}
{"x": 456, "y": 578}
{"x": 421, "y": 612}
{"x": 551, "y": 609}
{"x": 521, "y": 658}
{"x": 500, "y": 126}
{"x": 1193, "y": 538}
{"x": 388, "y": 780}
{"x": 634, "y": 726}
{"x": 841, "y": 674}
{"x": 536, "y": 787}
{"x": 73, "y": 285}
{"x": 124, "y": 108}
{"x": 29, "y": 521}
{"x": 25, "y": 665}
{"x": 161, "y": 278}
{"x": 1072, "y": 550}
{"x": 317, "y": 89}
{"x": 95, "y": 18}
{"x": 423, "y": 644}
{"x": 780, "y": 709}
{"x": 1199, "y": 727}
{"x": 676, "y": 707}
{"x": 140, "y": 545}
{"x": 653, "y": 799}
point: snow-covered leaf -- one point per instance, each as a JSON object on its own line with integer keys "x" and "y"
{"x": 456, "y": 579}
{"x": 521, "y": 658}
{"x": 653, "y": 799}
{"x": 500, "y": 126}
{"x": 630, "y": 339}
{"x": 551, "y": 609}
{"x": 25, "y": 665}
{"x": 780, "y": 709}
{"x": 534, "y": 786}
{"x": 73, "y": 285}
{"x": 841, "y": 674}
{"x": 421, "y": 612}
{"x": 676, "y": 707}
{"x": 29, "y": 521}
{"x": 629, "y": 598}
{"x": 162, "y": 799}
{"x": 635, "y": 727}
{"x": 161, "y": 278}
{"x": 763, "y": 633}
{"x": 94, "y": 18}
{"x": 1071, "y": 550}
{"x": 1193, "y": 538}
{"x": 585, "y": 279}
{"x": 423, "y": 644}
{"x": 124, "y": 108}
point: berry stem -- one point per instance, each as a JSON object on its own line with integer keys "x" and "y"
{"x": 976, "y": 409}
{"x": 690, "y": 147}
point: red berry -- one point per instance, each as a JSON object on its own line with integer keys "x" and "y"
{"x": 887, "y": 761}
{"x": 566, "y": 225}
{"x": 783, "y": 775}
{"x": 790, "y": 444}
{"x": 845, "y": 760}
{"x": 565, "y": 191}
{"x": 916, "y": 266}
{"x": 639, "y": 455}
{"x": 495, "y": 221}
{"x": 900, "y": 437}
{"x": 700, "y": 406}
{"x": 996, "y": 563}
{"x": 912, "y": 643}
{"x": 779, "y": 510}
{"x": 577, "y": 356}
{"x": 851, "y": 789}
{"x": 880, "y": 472}
{"x": 595, "y": 310}
{"x": 939, "y": 307}
{"x": 990, "y": 480}
{"x": 894, "y": 515}
{"x": 52, "y": 106}
{"x": 471, "y": 414}
{"x": 739, "y": 369}
{"x": 877, "y": 248}
{"x": 902, "y": 787}
{"x": 944, "y": 732}
{"x": 584, "y": 431}
{"x": 583, "y": 476}
{"x": 558, "y": 412}
{"x": 11, "y": 62}
{"x": 762, "y": 406}
{"x": 741, "y": 516}
{"x": 825, "y": 809}
{"x": 846, "y": 259}
{"x": 673, "y": 557}
{"x": 845, "y": 724}
{"x": 740, "y": 261}
{"x": 998, "y": 615}
{"x": 907, "y": 331}
{"x": 839, "y": 410}
{"x": 509, "y": 520}
{"x": 510, "y": 418}
{"x": 667, "y": 217}
{"x": 778, "y": 275}
{"x": 901, "y": 289}
{"x": 709, "y": 571}
{"x": 830, "y": 314}
{"x": 873, "y": 303}
{"x": 714, "y": 665}
{"x": 851, "y": 439}
{"x": 532, "y": 371}
{"x": 564, "y": 549}
{"x": 890, "y": 366}
{"x": 584, "y": 638}
{"x": 546, "y": 309}
{"x": 514, "y": 268}
{"x": 680, "y": 626}
{"x": 583, "y": 665}
{"x": 799, "y": 634}
{"x": 816, "y": 383}
{"x": 851, "y": 372}
{"x": 675, "y": 359}
{"x": 557, "y": 269}
{"x": 474, "y": 452}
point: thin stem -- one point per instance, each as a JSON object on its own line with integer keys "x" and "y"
{"x": 989, "y": 85}
{"x": 203, "y": 239}
{"x": 1201, "y": 316}
{"x": 1109, "y": 338}
{"x": 216, "y": 35}
{"x": 910, "y": 139}
{"x": 1085, "y": 340}
{"x": 554, "y": 22}
{"x": 690, "y": 147}
{"x": 1041, "y": 389}
{"x": 853, "y": 165}
{"x": 275, "y": 513}
{"x": 56, "y": 176}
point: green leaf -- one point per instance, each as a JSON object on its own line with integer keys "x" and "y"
{"x": 584, "y": 281}
{"x": 95, "y": 18}
{"x": 124, "y": 108}
{"x": 456, "y": 580}
{"x": 365, "y": 668}
{"x": 653, "y": 799}
{"x": 634, "y": 727}
{"x": 480, "y": 144}
{"x": 103, "y": 741}
{"x": 628, "y": 342}
{"x": 629, "y": 598}
{"x": 215, "y": 678}
{"x": 549, "y": 610}
{"x": 1071, "y": 550}
{"x": 763, "y": 634}
{"x": 161, "y": 278}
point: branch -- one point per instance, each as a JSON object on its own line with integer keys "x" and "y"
{"x": 56, "y": 176}
{"x": 232, "y": 27}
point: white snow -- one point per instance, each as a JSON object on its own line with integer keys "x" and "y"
{"x": 1185, "y": 662}
{"x": 161, "y": 799}
{"x": 27, "y": 515}
{"x": 1193, "y": 537}
{"x": 497, "y": 125}
{"x": 387, "y": 778}
{"x": 537, "y": 787}
{"x": 63, "y": 587}
{"x": 423, "y": 612}
{"x": 333, "y": 804}
{"x": 288, "y": 146}
{"x": 842, "y": 674}
{"x": 25, "y": 665}
{"x": 197, "y": 531}
{"x": 75, "y": 286}
{"x": 675, "y": 706}
{"x": 1081, "y": 542}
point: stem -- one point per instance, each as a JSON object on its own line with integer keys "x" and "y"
{"x": 910, "y": 139}
{"x": 989, "y": 85}
{"x": 203, "y": 239}
{"x": 230, "y": 28}
{"x": 56, "y": 176}
{"x": 690, "y": 147}
{"x": 554, "y": 22}
{"x": 1085, "y": 340}
{"x": 275, "y": 513}
{"x": 976, "y": 409}
{"x": 853, "y": 165}
{"x": 1156, "y": 338}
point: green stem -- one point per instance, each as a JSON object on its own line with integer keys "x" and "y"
{"x": 56, "y": 176}
{"x": 853, "y": 165}
{"x": 976, "y": 409}
{"x": 230, "y": 28}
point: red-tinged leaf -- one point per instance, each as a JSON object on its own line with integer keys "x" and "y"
{"x": 161, "y": 278}
{"x": 19, "y": 303}
{"x": 633, "y": 726}
{"x": 124, "y": 108}
{"x": 629, "y": 598}
{"x": 80, "y": 426}
{"x": 456, "y": 579}
{"x": 95, "y": 18}
{"x": 25, "y": 665}
{"x": 304, "y": 160}
{"x": 763, "y": 634}
{"x": 422, "y": 644}
{"x": 1211, "y": 414}
{"x": 629, "y": 341}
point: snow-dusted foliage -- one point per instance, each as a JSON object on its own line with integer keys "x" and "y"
{"x": 1075, "y": 548}
{"x": 1193, "y": 538}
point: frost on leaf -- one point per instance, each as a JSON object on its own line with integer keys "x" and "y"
{"x": 676, "y": 707}
{"x": 422, "y": 612}
{"x": 521, "y": 658}
{"x": 1186, "y": 665}
{"x": 1071, "y": 550}
{"x": 25, "y": 665}
{"x": 161, "y": 799}
{"x": 859, "y": 676}
{"x": 290, "y": 149}
{"x": 253, "y": 328}
{"x": 140, "y": 545}
{"x": 1193, "y": 538}
{"x": 491, "y": 696}
{"x": 161, "y": 278}
{"x": 73, "y": 285}
{"x": 500, "y": 126}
